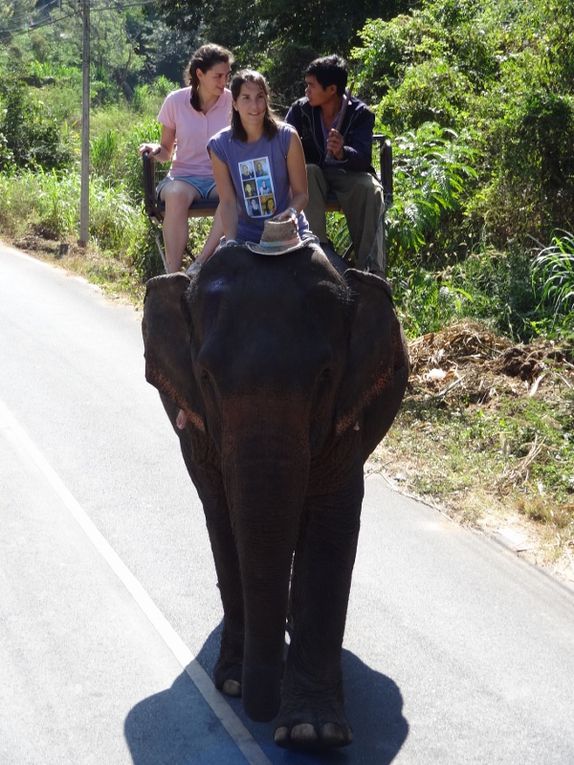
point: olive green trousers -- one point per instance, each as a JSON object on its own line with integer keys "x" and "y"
{"x": 361, "y": 198}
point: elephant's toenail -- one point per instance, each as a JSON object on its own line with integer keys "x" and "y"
{"x": 334, "y": 735}
{"x": 231, "y": 688}
{"x": 304, "y": 733}
{"x": 281, "y": 736}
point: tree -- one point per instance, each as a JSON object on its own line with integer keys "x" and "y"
{"x": 265, "y": 32}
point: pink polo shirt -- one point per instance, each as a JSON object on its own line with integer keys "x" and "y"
{"x": 193, "y": 130}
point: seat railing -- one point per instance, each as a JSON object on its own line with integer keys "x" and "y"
{"x": 155, "y": 208}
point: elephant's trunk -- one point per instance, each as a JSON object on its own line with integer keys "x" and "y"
{"x": 266, "y": 472}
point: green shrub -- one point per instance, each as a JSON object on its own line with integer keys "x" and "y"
{"x": 131, "y": 172}
{"x": 432, "y": 91}
{"x": 49, "y": 202}
{"x": 489, "y": 285}
{"x": 31, "y": 138}
{"x": 284, "y": 66}
{"x": 431, "y": 168}
{"x": 147, "y": 98}
{"x": 501, "y": 290}
{"x": 423, "y": 303}
{"x": 389, "y": 48}
{"x": 58, "y": 203}
{"x": 530, "y": 191}
{"x": 39, "y": 200}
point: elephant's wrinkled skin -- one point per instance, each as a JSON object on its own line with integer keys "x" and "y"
{"x": 289, "y": 375}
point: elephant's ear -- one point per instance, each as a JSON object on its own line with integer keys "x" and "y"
{"x": 166, "y": 333}
{"x": 376, "y": 374}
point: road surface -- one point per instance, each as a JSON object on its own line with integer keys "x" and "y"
{"x": 455, "y": 651}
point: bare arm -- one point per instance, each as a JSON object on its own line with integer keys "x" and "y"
{"x": 227, "y": 199}
{"x": 297, "y": 177}
{"x": 163, "y": 150}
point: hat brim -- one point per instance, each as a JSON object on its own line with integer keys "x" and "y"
{"x": 254, "y": 247}
{"x": 261, "y": 250}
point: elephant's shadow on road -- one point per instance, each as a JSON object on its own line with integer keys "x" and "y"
{"x": 177, "y": 726}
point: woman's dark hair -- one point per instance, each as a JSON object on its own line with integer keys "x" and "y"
{"x": 204, "y": 58}
{"x": 270, "y": 121}
{"x": 329, "y": 70}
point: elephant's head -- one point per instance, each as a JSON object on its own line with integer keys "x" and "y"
{"x": 274, "y": 360}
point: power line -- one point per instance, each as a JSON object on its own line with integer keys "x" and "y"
{"x": 33, "y": 25}
{"x": 22, "y": 16}
{"x": 28, "y": 24}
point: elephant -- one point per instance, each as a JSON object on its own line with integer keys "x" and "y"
{"x": 289, "y": 370}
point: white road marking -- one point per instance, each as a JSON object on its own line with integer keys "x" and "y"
{"x": 17, "y": 436}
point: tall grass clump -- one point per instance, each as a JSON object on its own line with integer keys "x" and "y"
{"x": 553, "y": 280}
{"x": 40, "y": 200}
{"x": 147, "y": 98}
{"x": 112, "y": 217}
{"x": 114, "y": 156}
{"x": 49, "y": 203}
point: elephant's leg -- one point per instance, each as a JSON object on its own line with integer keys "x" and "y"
{"x": 207, "y": 480}
{"x": 312, "y": 714}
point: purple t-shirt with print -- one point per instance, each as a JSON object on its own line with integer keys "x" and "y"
{"x": 259, "y": 174}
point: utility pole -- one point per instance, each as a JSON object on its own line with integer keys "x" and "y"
{"x": 85, "y": 179}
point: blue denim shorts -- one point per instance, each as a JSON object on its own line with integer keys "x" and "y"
{"x": 202, "y": 183}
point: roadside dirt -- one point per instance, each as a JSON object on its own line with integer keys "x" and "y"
{"x": 469, "y": 374}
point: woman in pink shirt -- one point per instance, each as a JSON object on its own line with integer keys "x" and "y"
{"x": 189, "y": 117}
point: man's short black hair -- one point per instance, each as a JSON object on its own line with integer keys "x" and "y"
{"x": 329, "y": 70}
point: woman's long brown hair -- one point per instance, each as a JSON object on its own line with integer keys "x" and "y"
{"x": 204, "y": 58}
{"x": 269, "y": 121}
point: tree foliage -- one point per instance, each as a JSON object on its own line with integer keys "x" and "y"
{"x": 269, "y": 33}
{"x": 29, "y": 137}
{"x": 501, "y": 74}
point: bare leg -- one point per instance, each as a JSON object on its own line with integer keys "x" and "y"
{"x": 212, "y": 241}
{"x": 178, "y": 196}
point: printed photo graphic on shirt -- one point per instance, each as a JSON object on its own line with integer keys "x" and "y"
{"x": 246, "y": 171}
{"x": 261, "y": 166}
{"x": 263, "y": 186}
{"x": 249, "y": 189}
{"x": 253, "y": 207}
{"x": 258, "y": 192}
{"x": 268, "y": 204}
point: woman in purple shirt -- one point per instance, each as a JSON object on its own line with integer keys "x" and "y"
{"x": 268, "y": 152}
{"x": 189, "y": 117}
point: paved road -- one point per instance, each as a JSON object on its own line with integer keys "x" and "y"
{"x": 455, "y": 652}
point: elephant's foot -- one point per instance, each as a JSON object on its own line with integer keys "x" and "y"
{"x": 229, "y": 666}
{"x": 312, "y": 723}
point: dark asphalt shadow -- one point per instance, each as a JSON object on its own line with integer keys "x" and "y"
{"x": 177, "y": 726}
